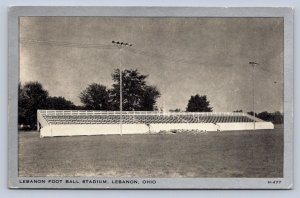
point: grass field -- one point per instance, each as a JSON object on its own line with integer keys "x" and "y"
{"x": 213, "y": 154}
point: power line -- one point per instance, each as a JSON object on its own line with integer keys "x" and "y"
{"x": 66, "y": 44}
{"x": 160, "y": 56}
{"x": 105, "y": 46}
{"x": 61, "y": 42}
{"x": 116, "y": 44}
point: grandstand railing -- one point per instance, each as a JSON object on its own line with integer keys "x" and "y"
{"x": 41, "y": 120}
{"x": 91, "y": 112}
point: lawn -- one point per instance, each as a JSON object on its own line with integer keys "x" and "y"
{"x": 213, "y": 154}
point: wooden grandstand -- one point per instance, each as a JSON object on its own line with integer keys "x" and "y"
{"x": 147, "y": 119}
{"x": 73, "y": 122}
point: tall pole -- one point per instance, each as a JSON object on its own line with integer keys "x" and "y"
{"x": 253, "y": 93}
{"x": 121, "y": 91}
{"x": 120, "y": 45}
{"x": 253, "y": 99}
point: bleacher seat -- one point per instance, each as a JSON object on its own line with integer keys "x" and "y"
{"x": 128, "y": 118}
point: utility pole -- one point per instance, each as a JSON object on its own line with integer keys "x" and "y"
{"x": 120, "y": 46}
{"x": 253, "y": 97}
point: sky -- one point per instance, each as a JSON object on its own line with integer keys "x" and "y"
{"x": 182, "y": 56}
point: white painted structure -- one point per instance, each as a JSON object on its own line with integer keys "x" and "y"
{"x": 71, "y": 123}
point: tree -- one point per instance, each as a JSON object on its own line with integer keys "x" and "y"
{"x": 266, "y": 116}
{"x": 21, "y": 105}
{"x": 32, "y": 96}
{"x": 238, "y": 111}
{"x": 95, "y": 97}
{"x": 198, "y": 104}
{"x": 276, "y": 117}
{"x": 251, "y": 113}
{"x": 137, "y": 95}
{"x": 60, "y": 103}
{"x": 175, "y": 110}
{"x": 149, "y": 98}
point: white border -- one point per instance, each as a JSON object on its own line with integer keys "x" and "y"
{"x": 161, "y": 183}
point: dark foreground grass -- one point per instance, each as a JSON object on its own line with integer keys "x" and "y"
{"x": 213, "y": 154}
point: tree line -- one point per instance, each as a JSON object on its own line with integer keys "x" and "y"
{"x": 137, "y": 95}
{"x": 274, "y": 117}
